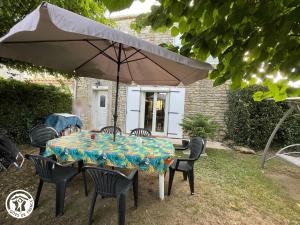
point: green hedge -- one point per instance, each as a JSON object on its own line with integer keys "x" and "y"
{"x": 24, "y": 104}
{"x": 250, "y": 123}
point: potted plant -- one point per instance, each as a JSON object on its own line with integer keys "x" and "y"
{"x": 199, "y": 125}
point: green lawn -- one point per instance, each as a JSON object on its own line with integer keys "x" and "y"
{"x": 230, "y": 189}
{"x": 246, "y": 186}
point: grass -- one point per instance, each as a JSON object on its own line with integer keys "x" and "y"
{"x": 230, "y": 189}
{"x": 247, "y": 186}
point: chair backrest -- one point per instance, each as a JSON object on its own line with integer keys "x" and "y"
{"x": 110, "y": 130}
{"x": 43, "y": 166}
{"x": 107, "y": 182}
{"x": 8, "y": 151}
{"x": 40, "y": 134}
{"x": 196, "y": 146}
{"x": 140, "y": 132}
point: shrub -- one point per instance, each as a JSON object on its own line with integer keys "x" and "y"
{"x": 199, "y": 125}
{"x": 23, "y": 105}
{"x": 251, "y": 123}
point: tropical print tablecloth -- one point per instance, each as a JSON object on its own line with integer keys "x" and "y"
{"x": 148, "y": 154}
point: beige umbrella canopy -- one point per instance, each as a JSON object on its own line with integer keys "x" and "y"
{"x": 62, "y": 40}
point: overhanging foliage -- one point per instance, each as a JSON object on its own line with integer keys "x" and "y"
{"x": 256, "y": 41}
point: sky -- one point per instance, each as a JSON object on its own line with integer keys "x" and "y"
{"x": 136, "y": 8}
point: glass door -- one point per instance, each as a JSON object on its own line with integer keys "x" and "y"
{"x": 149, "y": 103}
{"x": 155, "y": 109}
{"x": 160, "y": 112}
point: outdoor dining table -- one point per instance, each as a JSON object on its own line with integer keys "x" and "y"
{"x": 153, "y": 155}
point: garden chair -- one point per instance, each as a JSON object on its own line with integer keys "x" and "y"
{"x": 51, "y": 171}
{"x": 9, "y": 154}
{"x": 40, "y": 134}
{"x": 140, "y": 132}
{"x": 186, "y": 165}
{"x": 184, "y": 145}
{"x": 112, "y": 184}
{"x": 110, "y": 130}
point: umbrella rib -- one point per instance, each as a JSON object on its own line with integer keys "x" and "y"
{"x": 127, "y": 64}
{"x": 108, "y": 56}
{"x": 160, "y": 66}
{"x": 128, "y": 61}
{"x": 115, "y": 50}
{"x": 123, "y": 60}
{"x": 130, "y": 55}
{"x": 87, "y": 61}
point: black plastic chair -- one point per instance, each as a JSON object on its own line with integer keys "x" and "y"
{"x": 40, "y": 134}
{"x": 52, "y": 172}
{"x": 110, "y": 130}
{"x": 140, "y": 132}
{"x": 186, "y": 166}
{"x": 184, "y": 145}
{"x": 9, "y": 154}
{"x": 113, "y": 184}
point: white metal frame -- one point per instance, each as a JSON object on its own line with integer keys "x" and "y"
{"x": 294, "y": 103}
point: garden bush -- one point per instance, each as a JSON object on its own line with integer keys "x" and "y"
{"x": 24, "y": 104}
{"x": 250, "y": 123}
{"x": 199, "y": 125}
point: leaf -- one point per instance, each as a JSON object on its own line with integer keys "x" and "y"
{"x": 236, "y": 79}
{"x": 220, "y": 80}
{"x": 258, "y": 96}
{"x": 182, "y": 25}
{"x": 174, "y": 31}
{"x": 117, "y": 5}
{"x": 177, "y": 8}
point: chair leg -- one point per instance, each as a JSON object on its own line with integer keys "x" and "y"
{"x": 191, "y": 181}
{"x": 60, "y": 198}
{"x": 171, "y": 177}
{"x": 136, "y": 189}
{"x": 91, "y": 211}
{"x": 184, "y": 175}
{"x": 84, "y": 183}
{"x": 121, "y": 208}
{"x": 38, "y": 193}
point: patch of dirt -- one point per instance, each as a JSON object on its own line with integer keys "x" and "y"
{"x": 291, "y": 182}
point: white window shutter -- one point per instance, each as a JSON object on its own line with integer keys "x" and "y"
{"x": 176, "y": 112}
{"x": 133, "y": 108}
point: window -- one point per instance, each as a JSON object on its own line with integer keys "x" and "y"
{"x": 102, "y": 101}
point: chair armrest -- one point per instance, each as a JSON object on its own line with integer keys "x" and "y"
{"x": 178, "y": 160}
{"x": 132, "y": 175}
{"x": 185, "y": 159}
{"x": 181, "y": 148}
{"x": 78, "y": 161}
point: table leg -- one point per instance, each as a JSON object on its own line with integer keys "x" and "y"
{"x": 161, "y": 186}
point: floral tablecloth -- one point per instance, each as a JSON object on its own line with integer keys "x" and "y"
{"x": 148, "y": 154}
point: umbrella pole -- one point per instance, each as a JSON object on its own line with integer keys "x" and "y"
{"x": 117, "y": 92}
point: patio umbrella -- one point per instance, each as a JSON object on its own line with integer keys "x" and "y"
{"x": 67, "y": 42}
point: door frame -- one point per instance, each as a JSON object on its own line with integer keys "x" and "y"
{"x": 95, "y": 91}
{"x": 142, "y": 109}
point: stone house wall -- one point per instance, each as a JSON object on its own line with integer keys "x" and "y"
{"x": 200, "y": 96}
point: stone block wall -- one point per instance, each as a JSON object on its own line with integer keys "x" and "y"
{"x": 202, "y": 97}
